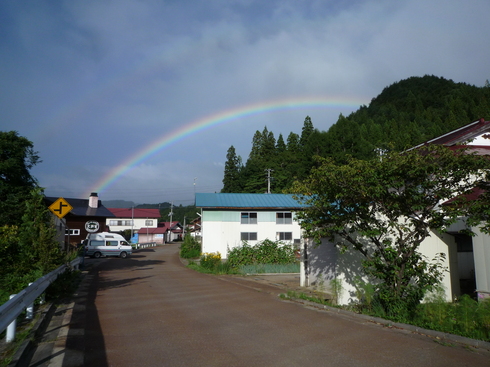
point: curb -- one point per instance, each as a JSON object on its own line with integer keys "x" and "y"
{"x": 439, "y": 335}
{"x": 22, "y": 356}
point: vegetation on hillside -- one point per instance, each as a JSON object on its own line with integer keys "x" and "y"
{"x": 404, "y": 114}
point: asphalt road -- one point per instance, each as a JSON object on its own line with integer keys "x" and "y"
{"x": 149, "y": 310}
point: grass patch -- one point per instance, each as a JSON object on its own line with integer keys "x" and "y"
{"x": 221, "y": 268}
{"x": 305, "y": 297}
{"x": 465, "y": 317}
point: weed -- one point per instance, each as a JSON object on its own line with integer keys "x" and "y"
{"x": 190, "y": 248}
{"x": 293, "y": 294}
{"x": 210, "y": 260}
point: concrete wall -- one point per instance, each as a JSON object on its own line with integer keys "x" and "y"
{"x": 325, "y": 263}
{"x": 446, "y": 244}
{"x": 481, "y": 251}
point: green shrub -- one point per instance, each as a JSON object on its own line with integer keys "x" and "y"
{"x": 210, "y": 260}
{"x": 265, "y": 252}
{"x": 190, "y": 248}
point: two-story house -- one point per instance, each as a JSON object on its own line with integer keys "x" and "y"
{"x": 229, "y": 220}
{"x": 132, "y": 219}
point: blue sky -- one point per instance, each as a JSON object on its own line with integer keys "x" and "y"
{"x": 93, "y": 83}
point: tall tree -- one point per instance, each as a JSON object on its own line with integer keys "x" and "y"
{"x": 233, "y": 167}
{"x": 293, "y": 143}
{"x": 306, "y": 131}
{"x": 385, "y": 208}
{"x": 257, "y": 142}
{"x": 280, "y": 144}
{"x": 17, "y": 157}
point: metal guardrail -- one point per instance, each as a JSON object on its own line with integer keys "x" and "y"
{"x": 145, "y": 245}
{"x": 11, "y": 309}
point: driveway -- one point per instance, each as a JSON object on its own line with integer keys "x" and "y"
{"x": 150, "y": 310}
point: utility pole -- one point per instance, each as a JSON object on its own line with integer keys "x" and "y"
{"x": 170, "y": 225}
{"x": 183, "y": 229}
{"x": 195, "y": 178}
{"x": 269, "y": 178}
{"x": 132, "y": 221}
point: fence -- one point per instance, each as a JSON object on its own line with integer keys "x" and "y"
{"x": 11, "y": 309}
{"x": 146, "y": 245}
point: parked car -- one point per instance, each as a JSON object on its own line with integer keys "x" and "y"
{"x": 106, "y": 244}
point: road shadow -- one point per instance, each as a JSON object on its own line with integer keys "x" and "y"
{"x": 85, "y": 314}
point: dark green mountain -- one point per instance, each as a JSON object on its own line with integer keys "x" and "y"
{"x": 404, "y": 114}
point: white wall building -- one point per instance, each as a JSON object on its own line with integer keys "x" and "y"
{"x": 229, "y": 220}
{"x": 132, "y": 219}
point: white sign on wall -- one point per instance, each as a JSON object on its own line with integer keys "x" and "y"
{"x": 92, "y": 226}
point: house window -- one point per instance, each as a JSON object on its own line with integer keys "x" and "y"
{"x": 72, "y": 232}
{"x": 149, "y": 222}
{"x": 120, "y": 222}
{"x": 284, "y": 218}
{"x": 248, "y": 236}
{"x": 284, "y": 236}
{"x": 249, "y": 218}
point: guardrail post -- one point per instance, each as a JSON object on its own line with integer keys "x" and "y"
{"x": 30, "y": 310}
{"x": 11, "y": 328}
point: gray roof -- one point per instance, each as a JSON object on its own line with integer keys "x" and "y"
{"x": 81, "y": 208}
{"x": 247, "y": 201}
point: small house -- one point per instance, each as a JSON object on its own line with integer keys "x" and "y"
{"x": 87, "y": 216}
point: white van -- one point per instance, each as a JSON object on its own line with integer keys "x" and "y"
{"x": 106, "y": 244}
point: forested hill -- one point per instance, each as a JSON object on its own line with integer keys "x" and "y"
{"x": 404, "y": 114}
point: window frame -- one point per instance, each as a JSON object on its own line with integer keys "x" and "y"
{"x": 72, "y": 232}
{"x": 284, "y": 218}
{"x": 248, "y": 235}
{"x": 284, "y": 236}
{"x": 248, "y": 218}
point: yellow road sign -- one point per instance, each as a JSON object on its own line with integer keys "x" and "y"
{"x": 60, "y": 208}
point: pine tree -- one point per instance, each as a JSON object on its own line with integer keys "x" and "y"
{"x": 233, "y": 167}
{"x": 306, "y": 131}
{"x": 280, "y": 145}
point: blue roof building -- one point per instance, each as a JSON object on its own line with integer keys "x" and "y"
{"x": 269, "y": 201}
{"x": 228, "y": 220}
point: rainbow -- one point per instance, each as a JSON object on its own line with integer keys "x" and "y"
{"x": 215, "y": 120}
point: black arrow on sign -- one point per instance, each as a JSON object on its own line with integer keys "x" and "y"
{"x": 60, "y": 210}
